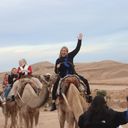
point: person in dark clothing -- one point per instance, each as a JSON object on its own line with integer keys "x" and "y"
{"x": 99, "y": 115}
{"x": 11, "y": 79}
{"x": 64, "y": 66}
{"x": 13, "y": 76}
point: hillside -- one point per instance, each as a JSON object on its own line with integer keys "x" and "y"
{"x": 103, "y": 72}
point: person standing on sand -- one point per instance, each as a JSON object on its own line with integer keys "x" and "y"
{"x": 99, "y": 115}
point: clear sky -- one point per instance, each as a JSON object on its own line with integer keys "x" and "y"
{"x": 37, "y": 29}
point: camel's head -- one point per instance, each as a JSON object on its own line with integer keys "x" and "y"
{"x": 47, "y": 76}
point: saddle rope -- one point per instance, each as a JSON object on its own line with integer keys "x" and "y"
{"x": 66, "y": 101}
{"x": 20, "y": 97}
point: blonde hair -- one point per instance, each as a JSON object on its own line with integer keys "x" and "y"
{"x": 64, "y": 47}
{"x": 23, "y": 61}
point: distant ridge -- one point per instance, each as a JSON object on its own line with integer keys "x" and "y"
{"x": 102, "y": 72}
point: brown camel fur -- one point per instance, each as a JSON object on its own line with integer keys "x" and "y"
{"x": 73, "y": 105}
{"x": 26, "y": 106}
{"x": 10, "y": 111}
{"x": 29, "y": 103}
{"x": 29, "y": 116}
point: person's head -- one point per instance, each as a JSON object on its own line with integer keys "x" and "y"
{"x": 22, "y": 62}
{"x": 98, "y": 103}
{"x": 98, "y": 100}
{"x": 6, "y": 76}
{"x": 14, "y": 71}
{"x": 63, "y": 51}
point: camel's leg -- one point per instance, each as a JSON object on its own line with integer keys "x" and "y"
{"x": 76, "y": 124}
{"x": 31, "y": 120}
{"x": 13, "y": 121}
{"x": 6, "y": 121}
{"x": 36, "y": 117}
{"x": 70, "y": 124}
{"x": 61, "y": 116}
{"x": 20, "y": 120}
{"x": 70, "y": 120}
{"x": 26, "y": 121}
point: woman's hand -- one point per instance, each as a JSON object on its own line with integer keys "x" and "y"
{"x": 80, "y": 36}
{"x": 58, "y": 66}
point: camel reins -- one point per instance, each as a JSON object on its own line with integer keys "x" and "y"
{"x": 20, "y": 96}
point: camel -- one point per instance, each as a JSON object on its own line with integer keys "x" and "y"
{"x": 10, "y": 111}
{"x": 72, "y": 105}
{"x": 27, "y": 103}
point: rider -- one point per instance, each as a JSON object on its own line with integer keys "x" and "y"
{"x": 5, "y": 80}
{"x": 24, "y": 69}
{"x": 99, "y": 115}
{"x": 64, "y": 66}
{"x": 25, "y": 73}
{"x": 12, "y": 77}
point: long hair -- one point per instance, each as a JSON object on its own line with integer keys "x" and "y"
{"x": 22, "y": 62}
{"x": 97, "y": 108}
{"x": 64, "y": 47}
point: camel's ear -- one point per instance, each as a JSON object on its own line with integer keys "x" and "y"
{"x": 47, "y": 76}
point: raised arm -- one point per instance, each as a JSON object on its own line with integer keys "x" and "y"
{"x": 57, "y": 65}
{"x": 77, "y": 49}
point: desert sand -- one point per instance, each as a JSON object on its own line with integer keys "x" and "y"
{"x": 105, "y": 75}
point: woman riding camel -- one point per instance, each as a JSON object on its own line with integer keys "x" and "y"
{"x": 12, "y": 77}
{"x": 99, "y": 115}
{"x": 64, "y": 66}
{"x": 24, "y": 69}
{"x": 5, "y": 80}
{"x": 25, "y": 73}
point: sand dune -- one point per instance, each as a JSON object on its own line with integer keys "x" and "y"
{"x": 105, "y": 75}
{"x": 103, "y": 72}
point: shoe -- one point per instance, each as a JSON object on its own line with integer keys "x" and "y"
{"x": 88, "y": 98}
{"x": 4, "y": 102}
{"x": 53, "y": 107}
{"x": 11, "y": 98}
{"x": 1, "y": 98}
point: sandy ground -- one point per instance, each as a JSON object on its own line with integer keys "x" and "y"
{"x": 47, "y": 120}
{"x": 50, "y": 119}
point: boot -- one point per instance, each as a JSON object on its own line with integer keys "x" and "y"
{"x": 11, "y": 98}
{"x": 1, "y": 98}
{"x": 88, "y": 98}
{"x": 53, "y": 107}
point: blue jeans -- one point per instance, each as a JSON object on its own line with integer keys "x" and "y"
{"x": 7, "y": 90}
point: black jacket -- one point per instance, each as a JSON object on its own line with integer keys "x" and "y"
{"x": 67, "y": 65}
{"x": 12, "y": 78}
{"x": 108, "y": 119}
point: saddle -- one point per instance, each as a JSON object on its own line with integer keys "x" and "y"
{"x": 65, "y": 82}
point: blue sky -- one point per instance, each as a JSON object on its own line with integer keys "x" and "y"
{"x": 37, "y": 29}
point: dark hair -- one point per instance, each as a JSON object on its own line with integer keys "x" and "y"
{"x": 98, "y": 101}
{"x": 97, "y": 108}
{"x": 127, "y": 98}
